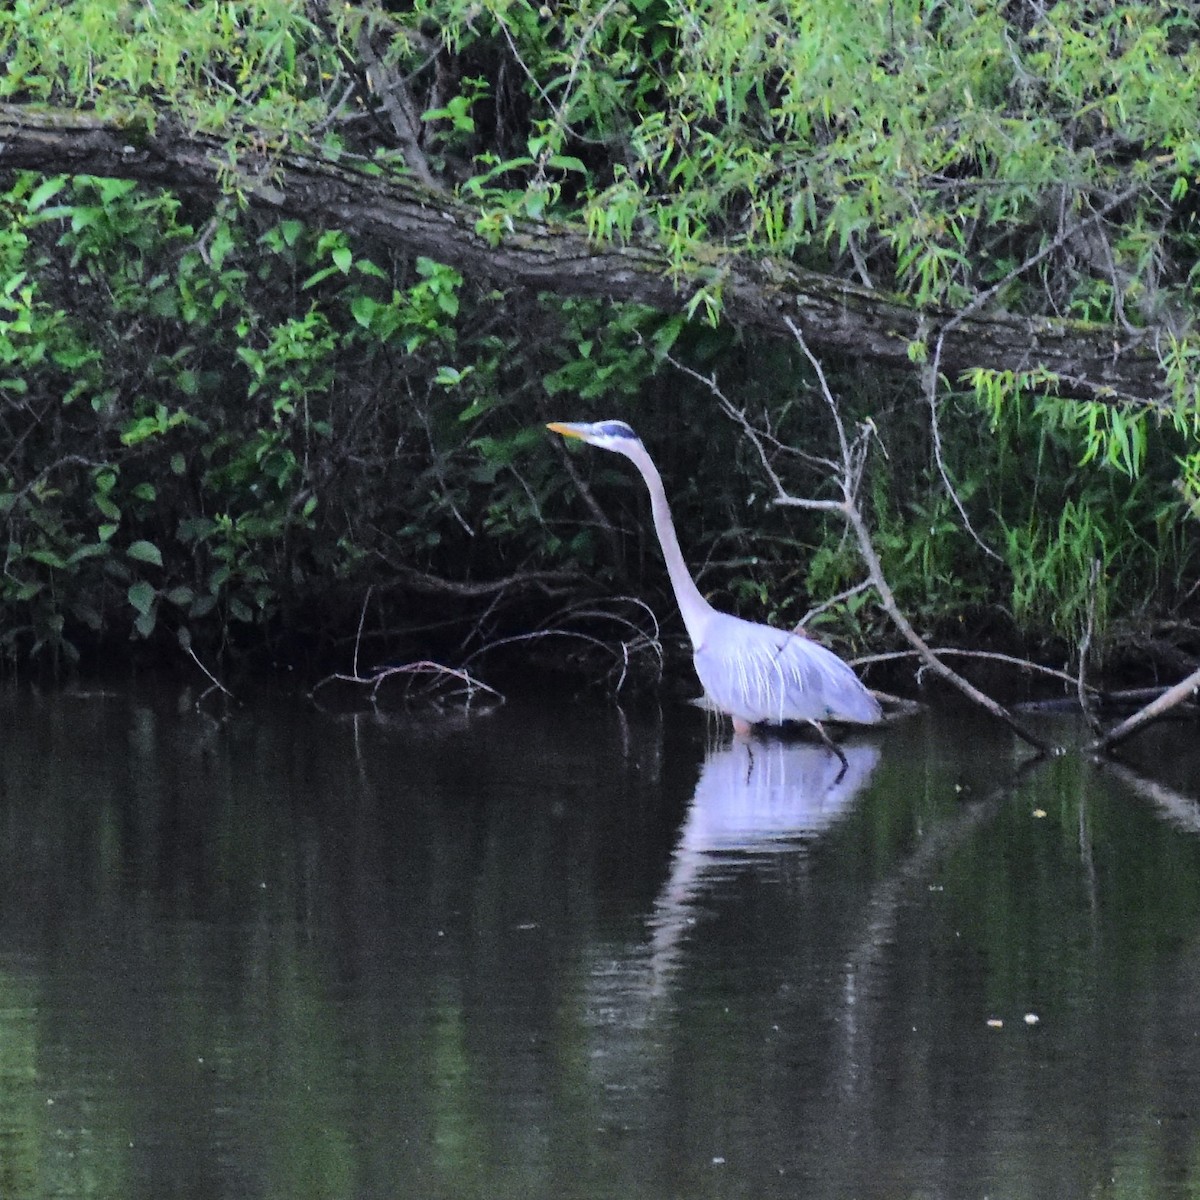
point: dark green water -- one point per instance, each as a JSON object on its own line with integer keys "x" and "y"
{"x": 561, "y": 951}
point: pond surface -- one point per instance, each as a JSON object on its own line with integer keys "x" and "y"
{"x": 560, "y": 950}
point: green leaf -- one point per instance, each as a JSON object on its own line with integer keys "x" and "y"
{"x": 107, "y": 507}
{"x": 146, "y": 552}
{"x": 88, "y": 615}
{"x": 47, "y": 558}
{"x": 202, "y": 606}
{"x": 240, "y": 611}
{"x": 45, "y": 191}
{"x": 181, "y": 596}
{"x": 363, "y": 308}
{"x": 88, "y": 550}
{"x": 343, "y": 257}
{"x": 142, "y": 596}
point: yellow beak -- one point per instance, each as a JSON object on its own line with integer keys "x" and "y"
{"x": 567, "y": 430}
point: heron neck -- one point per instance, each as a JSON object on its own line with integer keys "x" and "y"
{"x": 693, "y": 607}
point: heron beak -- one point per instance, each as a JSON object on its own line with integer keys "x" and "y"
{"x": 566, "y": 429}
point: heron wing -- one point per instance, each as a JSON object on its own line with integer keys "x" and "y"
{"x": 762, "y": 674}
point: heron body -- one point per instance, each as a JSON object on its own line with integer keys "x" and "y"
{"x": 751, "y": 672}
{"x": 757, "y": 675}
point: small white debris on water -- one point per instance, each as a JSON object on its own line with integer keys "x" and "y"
{"x": 1032, "y": 1018}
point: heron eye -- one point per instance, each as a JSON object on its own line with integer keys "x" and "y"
{"x": 617, "y": 429}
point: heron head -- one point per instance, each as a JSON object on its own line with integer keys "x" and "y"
{"x": 608, "y": 435}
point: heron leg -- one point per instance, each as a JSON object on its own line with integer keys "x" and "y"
{"x": 830, "y": 744}
{"x": 742, "y": 727}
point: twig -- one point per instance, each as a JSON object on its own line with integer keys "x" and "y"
{"x": 851, "y": 474}
{"x": 1023, "y": 664}
{"x": 818, "y": 609}
{"x": 1085, "y": 647}
{"x": 213, "y": 679}
{"x": 439, "y": 671}
{"x": 362, "y": 616}
{"x": 1151, "y": 712}
{"x": 935, "y": 428}
{"x": 557, "y": 627}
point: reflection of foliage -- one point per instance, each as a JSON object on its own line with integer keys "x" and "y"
{"x": 242, "y": 960}
{"x": 21, "y": 1110}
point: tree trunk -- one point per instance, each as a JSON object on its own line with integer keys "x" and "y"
{"x": 1097, "y": 362}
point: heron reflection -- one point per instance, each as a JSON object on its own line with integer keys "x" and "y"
{"x": 754, "y": 800}
{"x": 755, "y": 803}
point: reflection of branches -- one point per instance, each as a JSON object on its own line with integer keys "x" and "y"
{"x": 847, "y": 473}
{"x": 887, "y": 901}
{"x": 1182, "y": 811}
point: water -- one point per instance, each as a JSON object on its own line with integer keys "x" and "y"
{"x": 557, "y": 950}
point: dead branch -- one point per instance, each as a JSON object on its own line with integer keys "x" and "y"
{"x": 576, "y": 622}
{"x": 849, "y": 472}
{"x": 396, "y": 101}
{"x": 435, "y": 675}
{"x": 888, "y": 600}
{"x": 1171, "y": 698}
{"x": 1022, "y": 664}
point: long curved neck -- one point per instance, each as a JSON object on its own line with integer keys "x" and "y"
{"x": 692, "y": 605}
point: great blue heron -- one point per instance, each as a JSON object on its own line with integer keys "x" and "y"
{"x": 750, "y": 672}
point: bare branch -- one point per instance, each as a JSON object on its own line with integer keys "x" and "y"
{"x": 935, "y": 428}
{"x": 1085, "y": 648}
{"x": 436, "y": 673}
{"x": 852, "y": 466}
{"x": 1171, "y": 698}
{"x": 393, "y": 94}
{"x": 216, "y": 683}
{"x": 1023, "y": 664}
{"x": 935, "y": 664}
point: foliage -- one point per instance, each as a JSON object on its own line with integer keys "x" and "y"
{"x": 275, "y": 404}
{"x": 213, "y": 415}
